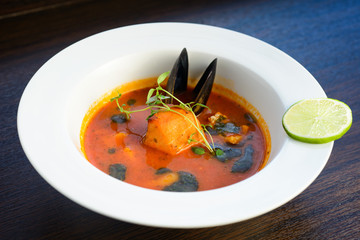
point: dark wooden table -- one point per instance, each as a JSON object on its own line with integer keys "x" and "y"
{"x": 323, "y": 35}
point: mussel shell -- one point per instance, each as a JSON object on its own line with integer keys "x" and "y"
{"x": 203, "y": 88}
{"x": 178, "y": 79}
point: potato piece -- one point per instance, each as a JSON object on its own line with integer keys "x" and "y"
{"x": 169, "y": 132}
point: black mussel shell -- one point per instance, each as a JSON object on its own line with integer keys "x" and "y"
{"x": 178, "y": 79}
{"x": 203, "y": 88}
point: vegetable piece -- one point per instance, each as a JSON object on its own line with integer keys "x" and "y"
{"x": 166, "y": 179}
{"x": 227, "y": 153}
{"x": 169, "y": 132}
{"x": 222, "y": 124}
{"x": 119, "y": 118}
{"x": 156, "y": 104}
{"x": 245, "y": 129}
{"x": 229, "y": 127}
{"x": 186, "y": 183}
{"x": 217, "y": 117}
{"x": 233, "y": 138}
{"x": 245, "y": 162}
{"x": 118, "y": 171}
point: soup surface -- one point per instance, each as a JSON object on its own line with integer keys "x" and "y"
{"x": 116, "y": 146}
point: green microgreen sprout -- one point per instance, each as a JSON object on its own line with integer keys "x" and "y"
{"x": 219, "y": 152}
{"x": 198, "y": 150}
{"x": 190, "y": 140}
{"x": 155, "y": 103}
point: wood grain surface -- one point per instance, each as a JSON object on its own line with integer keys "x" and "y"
{"x": 323, "y": 35}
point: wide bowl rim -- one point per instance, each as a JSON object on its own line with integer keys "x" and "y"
{"x": 96, "y": 197}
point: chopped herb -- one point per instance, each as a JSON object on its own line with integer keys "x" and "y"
{"x": 219, "y": 152}
{"x": 150, "y": 93}
{"x": 226, "y": 127}
{"x": 251, "y": 118}
{"x": 131, "y": 102}
{"x": 118, "y": 171}
{"x": 198, "y": 150}
{"x": 119, "y": 118}
{"x": 220, "y": 119}
{"x": 162, "y": 77}
{"x": 224, "y": 153}
{"x": 111, "y": 150}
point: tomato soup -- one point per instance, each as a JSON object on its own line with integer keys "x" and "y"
{"x": 110, "y": 142}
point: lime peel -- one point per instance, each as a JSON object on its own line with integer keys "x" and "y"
{"x": 317, "y": 120}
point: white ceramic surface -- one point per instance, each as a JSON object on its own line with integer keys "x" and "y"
{"x": 59, "y": 94}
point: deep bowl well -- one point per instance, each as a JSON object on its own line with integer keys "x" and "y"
{"x": 58, "y": 96}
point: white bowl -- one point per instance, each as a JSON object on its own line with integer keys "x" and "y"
{"x": 56, "y": 99}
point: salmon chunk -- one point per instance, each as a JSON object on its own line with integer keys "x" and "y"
{"x": 170, "y": 132}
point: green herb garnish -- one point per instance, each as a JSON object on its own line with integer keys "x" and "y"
{"x": 155, "y": 103}
{"x": 198, "y": 150}
{"x": 131, "y": 102}
{"x": 219, "y": 152}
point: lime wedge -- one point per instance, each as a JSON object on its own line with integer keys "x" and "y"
{"x": 319, "y": 120}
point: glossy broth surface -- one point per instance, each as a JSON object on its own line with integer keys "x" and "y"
{"x": 103, "y": 146}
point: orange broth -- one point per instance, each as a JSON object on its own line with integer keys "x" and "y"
{"x": 102, "y": 145}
